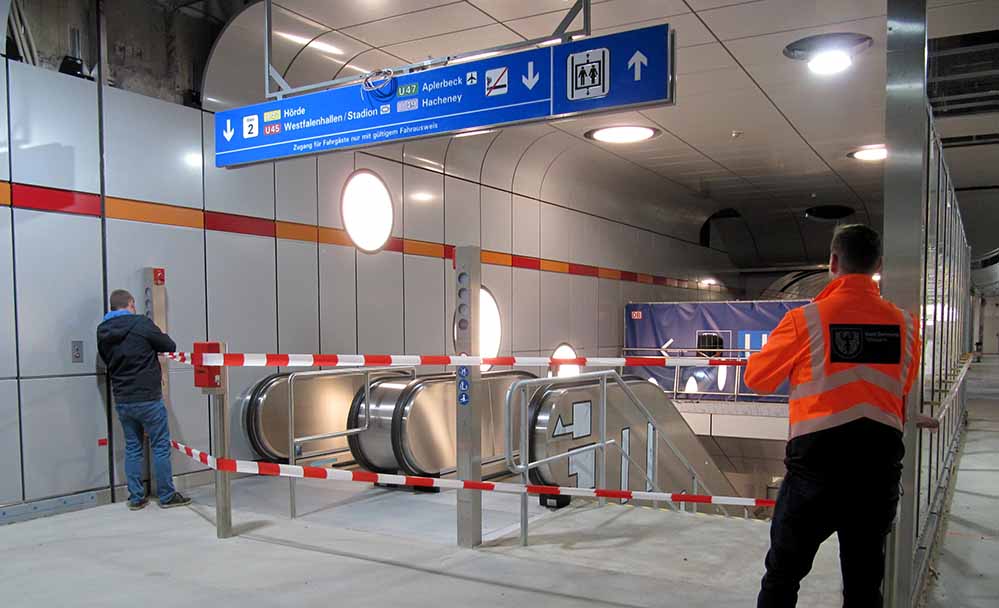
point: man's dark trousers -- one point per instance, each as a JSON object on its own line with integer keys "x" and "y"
{"x": 808, "y": 512}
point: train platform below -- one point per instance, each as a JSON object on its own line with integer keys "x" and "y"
{"x": 358, "y": 545}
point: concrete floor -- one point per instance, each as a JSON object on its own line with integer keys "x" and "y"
{"x": 967, "y": 564}
{"x": 362, "y": 546}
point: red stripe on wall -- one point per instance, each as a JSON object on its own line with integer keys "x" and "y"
{"x": 240, "y": 224}
{"x": 50, "y": 199}
{"x": 520, "y": 261}
{"x": 629, "y": 276}
{"x": 395, "y": 244}
{"x": 582, "y": 269}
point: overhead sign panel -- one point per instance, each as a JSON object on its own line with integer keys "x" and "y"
{"x": 592, "y": 75}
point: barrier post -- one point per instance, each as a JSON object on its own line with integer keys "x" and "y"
{"x": 214, "y": 382}
{"x": 468, "y": 423}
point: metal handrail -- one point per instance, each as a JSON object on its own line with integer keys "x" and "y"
{"x": 294, "y": 442}
{"x": 955, "y": 390}
{"x": 519, "y": 389}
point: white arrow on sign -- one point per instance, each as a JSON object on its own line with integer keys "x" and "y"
{"x": 636, "y": 62}
{"x": 532, "y": 77}
{"x": 228, "y": 133}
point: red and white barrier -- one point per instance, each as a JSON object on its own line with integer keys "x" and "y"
{"x": 285, "y": 470}
{"x": 275, "y": 360}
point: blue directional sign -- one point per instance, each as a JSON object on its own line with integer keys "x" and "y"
{"x": 591, "y": 75}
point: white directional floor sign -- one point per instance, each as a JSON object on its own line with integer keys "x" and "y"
{"x": 628, "y": 69}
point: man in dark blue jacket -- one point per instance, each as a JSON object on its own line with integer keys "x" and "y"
{"x": 128, "y": 343}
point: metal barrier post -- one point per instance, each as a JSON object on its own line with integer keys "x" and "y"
{"x": 292, "y": 447}
{"x": 468, "y": 422}
{"x": 214, "y": 382}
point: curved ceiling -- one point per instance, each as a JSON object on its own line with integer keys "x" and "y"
{"x": 751, "y": 130}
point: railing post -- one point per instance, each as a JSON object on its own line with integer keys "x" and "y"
{"x": 214, "y": 382}
{"x": 292, "y": 448}
{"x": 601, "y": 476}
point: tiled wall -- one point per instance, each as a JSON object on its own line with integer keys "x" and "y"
{"x": 257, "y": 257}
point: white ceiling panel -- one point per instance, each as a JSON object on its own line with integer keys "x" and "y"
{"x": 687, "y": 27}
{"x": 962, "y": 126}
{"x": 769, "y": 16}
{"x": 703, "y": 5}
{"x": 323, "y": 59}
{"x": 505, "y": 10}
{"x": 344, "y": 13}
{"x": 421, "y": 24}
{"x": 605, "y": 15}
{"x": 962, "y": 18}
{"x": 457, "y": 42}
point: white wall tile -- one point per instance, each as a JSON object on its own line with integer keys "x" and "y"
{"x": 610, "y": 314}
{"x": 10, "y": 443}
{"x": 583, "y": 309}
{"x": 334, "y": 169}
{"x": 425, "y": 327}
{"x": 379, "y": 303}
{"x": 8, "y": 336}
{"x": 4, "y": 139}
{"x": 461, "y": 212}
{"x": 53, "y": 129}
{"x": 243, "y": 190}
{"x": 58, "y": 289}
{"x": 424, "y": 204}
{"x": 298, "y": 297}
{"x": 497, "y": 220}
{"x": 337, "y": 299}
{"x": 242, "y": 298}
{"x": 152, "y": 150}
{"x": 555, "y": 310}
{"x": 526, "y": 227}
{"x": 295, "y": 183}
{"x": 526, "y": 309}
{"x": 555, "y": 233}
{"x": 499, "y": 281}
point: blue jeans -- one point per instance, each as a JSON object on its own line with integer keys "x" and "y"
{"x": 151, "y": 417}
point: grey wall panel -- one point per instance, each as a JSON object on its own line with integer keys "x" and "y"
{"x": 379, "y": 302}
{"x": 426, "y": 153}
{"x": 580, "y": 251}
{"x": 298, "y": 297}
{"x": 132, "y": 246}
{"x": 63, "y": 422}
{"x": 499, "y": 281}
{"x": 466, "y": 154}
{"x": 610, "y": 319}
{"x": 4, "y": 139}
{"x": 555, "y": 232}
{"x": 424, "y": 205}
{"x": 53, "y": 129}
{"x": 461, "y": 212}
{"x": 386, "y": 151}
{"x": 10, "y": 443}
{"x": 501, "y": 160}
{"x": 59, "y": 290}
{"x": 240, "y": 381}
{"x": 391, "y": 174}
{"x": 555, "y": 310}
{"x": 187, "y": 411}
{"x": 334, "y": 169}
{"x": 152, "y": 149}
{"x": 244, "y": 190}
{"x": 526, "y": 226}
{"x": 295, "y": 185}
{"x": 583, "y": 311}
{"x": 242, "y": 297}
{"x": 425, "y": 327}
{"x": 533, "y": 166}
{"x": 337, "y": 299}
{"x": 8, "y": 341}
{"x": 497, "y": 220}
{"x": 526, "y": 309}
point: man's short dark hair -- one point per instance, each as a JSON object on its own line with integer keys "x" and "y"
{"x": 858, "y": 248}
{"x": 120, "y": 299}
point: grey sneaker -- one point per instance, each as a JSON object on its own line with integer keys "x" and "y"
{"x": 137, "y": 505}
{"x": 177, "y": 500}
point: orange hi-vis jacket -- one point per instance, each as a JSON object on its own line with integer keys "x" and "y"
{"x": 850, "y": 354}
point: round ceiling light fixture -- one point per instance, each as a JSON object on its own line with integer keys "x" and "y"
{"x": 828, "y": 53}
{"x": 627, "y": 134}
{"x": 366, "y": 210}
{"x": 829, "y": 213}
{"x": 870, "y": 154}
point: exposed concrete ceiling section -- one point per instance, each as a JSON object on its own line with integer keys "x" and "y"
{"x": 751, "y": 129}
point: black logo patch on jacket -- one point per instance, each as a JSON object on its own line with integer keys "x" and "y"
{"x": 865, "y": 344}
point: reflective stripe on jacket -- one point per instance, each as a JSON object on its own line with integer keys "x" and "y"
{"x": 850, "y": 354}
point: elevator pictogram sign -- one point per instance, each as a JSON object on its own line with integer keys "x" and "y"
{"x": 588, "y": 74}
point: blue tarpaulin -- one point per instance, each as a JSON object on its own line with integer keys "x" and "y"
{"x": 740, "y": 327}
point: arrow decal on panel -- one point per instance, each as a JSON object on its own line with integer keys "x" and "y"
{"x": 531, "y": 78}
{"x": 581, "y": 425}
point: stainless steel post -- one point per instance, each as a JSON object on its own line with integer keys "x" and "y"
{"x": 525, "y": 458}
{"x": 292, "y": 447}
{"x": 906, "y": 137}
{"x": 220, "y": 436}
{"x": 468, "y": 423}
{"x": 601, "y": 476}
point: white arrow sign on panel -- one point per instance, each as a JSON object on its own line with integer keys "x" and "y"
{"x": 636, "y": 62}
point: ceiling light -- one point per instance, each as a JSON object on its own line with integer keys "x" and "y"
{"x": 709, "y": 282}
{"x": 622, "y": 135}
{"x": 319, "y": 46}
{"x": 473, "y": 133}
{"x": 828, "y": 53}
{"x": 870, "y": 153}
{"x": 366, "y": 210}
{"x": 830, "y": 62}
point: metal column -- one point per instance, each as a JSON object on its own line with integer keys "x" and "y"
{"x": 468, "y": 429}
{"x": 906, "y": 131}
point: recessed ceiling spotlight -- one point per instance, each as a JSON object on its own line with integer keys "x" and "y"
{"x": 622, "y": 135}
{"x": 828, "y": 53}
{"x": 870, "y": 153}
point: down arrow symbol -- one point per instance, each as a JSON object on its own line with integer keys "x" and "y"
{"x": 228, "y": 133}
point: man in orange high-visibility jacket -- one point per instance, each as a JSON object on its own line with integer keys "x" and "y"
{"x": 851, "y": 358}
